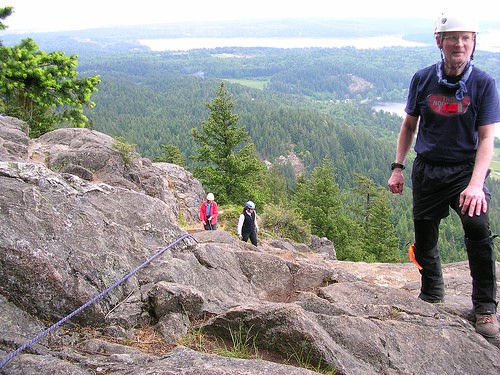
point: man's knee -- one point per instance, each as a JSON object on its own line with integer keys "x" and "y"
{"x": 476, "y": 227}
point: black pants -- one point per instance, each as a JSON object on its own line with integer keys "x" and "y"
{"x": 209, "y": 226}
{"x": 481, "y": 256}
{"x": 435, "y": 189}
{"x": 252, "y": 235}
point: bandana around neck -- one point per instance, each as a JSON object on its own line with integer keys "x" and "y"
{"x": 462, "y": 89}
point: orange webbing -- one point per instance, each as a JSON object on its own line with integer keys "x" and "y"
{"x": 411, "y": 255}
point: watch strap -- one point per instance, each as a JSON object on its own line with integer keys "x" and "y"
{"x": 397, "y": 165}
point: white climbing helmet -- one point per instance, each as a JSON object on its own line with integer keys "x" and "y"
{"x": 250, "y": 204}
{"x": 450, "y": 22}
{"x": 210, "y": 197}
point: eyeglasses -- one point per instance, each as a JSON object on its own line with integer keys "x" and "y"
{"x": 454, "y": 39}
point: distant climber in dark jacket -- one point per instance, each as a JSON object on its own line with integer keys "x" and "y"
{"x": 247, "y": 224}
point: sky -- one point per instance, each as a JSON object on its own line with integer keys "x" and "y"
{"x": 56, "y": 15}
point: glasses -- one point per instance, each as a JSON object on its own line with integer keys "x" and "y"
{"x": 454, "y": 39}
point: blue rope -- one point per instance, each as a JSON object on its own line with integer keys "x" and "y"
{"x": 91, "y": 301}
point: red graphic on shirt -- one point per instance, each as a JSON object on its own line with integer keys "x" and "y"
{"x": 448, "y": 105}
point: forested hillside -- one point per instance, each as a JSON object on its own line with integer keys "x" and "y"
{"x": 165, "y": 114}
{"x": 314, "y": 103}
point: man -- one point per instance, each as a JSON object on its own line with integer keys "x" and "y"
{"x": 455, "y": 106}
{"x": 209, "y": 211}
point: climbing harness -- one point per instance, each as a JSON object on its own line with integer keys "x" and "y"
{"x": 91, "y": 301}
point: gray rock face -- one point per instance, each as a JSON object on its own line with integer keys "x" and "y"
{"x": 187, "y": 191}
{"x": 79, "y": 227}
{"x": 13, "y": 141}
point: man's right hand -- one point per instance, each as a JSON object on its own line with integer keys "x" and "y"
{"x": 396, "y": 182}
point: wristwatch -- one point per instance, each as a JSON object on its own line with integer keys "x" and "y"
{"x": 397, "y": 165}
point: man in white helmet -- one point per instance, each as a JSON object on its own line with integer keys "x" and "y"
{"x": 209, "y": 210}
{"x": 455, "y": 106}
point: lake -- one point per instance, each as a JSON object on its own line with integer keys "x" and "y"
{"x": 398, "y": 108}
{"x": 186, "y": 44}
{"x": 488, "y": 41}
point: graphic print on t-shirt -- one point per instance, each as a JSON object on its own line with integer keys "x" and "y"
{"x": 448, "y": 105}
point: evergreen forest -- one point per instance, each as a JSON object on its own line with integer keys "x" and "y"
{"x": 314, "y": 105}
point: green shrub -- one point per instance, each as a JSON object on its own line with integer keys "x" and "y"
{"x": 228, "y": 218}
{"x": 127, "y": 151}
{"x": 286, "y": 223}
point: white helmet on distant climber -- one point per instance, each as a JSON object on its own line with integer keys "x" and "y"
{"x": 250, "y": 204}
{"x": 210, "y": 197}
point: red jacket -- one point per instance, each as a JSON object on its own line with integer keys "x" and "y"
{"x": 214, "y": 211}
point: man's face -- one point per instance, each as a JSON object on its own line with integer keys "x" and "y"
{"x": 457, "y": 46}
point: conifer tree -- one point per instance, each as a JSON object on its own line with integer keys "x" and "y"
{"x": 4, "y": 13}
{"x": 227, "y": 163}
{"x": 379, "y": 240}
{"x": 172, "y": 154}
{"x": 320, "y": 202}
{"x": 43, "y": 88}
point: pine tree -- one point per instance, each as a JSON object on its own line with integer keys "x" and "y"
{"x": 227, "y": 163}
{"x": 172, "y": 154}
{"x": 320, "y": 201}
{"x": 4, "y": 13}
{"x": 43, "y": 88}
{"x": 379, "y": 240}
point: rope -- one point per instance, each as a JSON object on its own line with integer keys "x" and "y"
{"x": 91, "y": 301}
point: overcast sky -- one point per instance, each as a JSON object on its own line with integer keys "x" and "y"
{"x": 53, "y": 15}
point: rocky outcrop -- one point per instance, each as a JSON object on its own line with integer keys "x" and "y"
{"x": 97, "y": 157}
{"x": 82, "y": 231}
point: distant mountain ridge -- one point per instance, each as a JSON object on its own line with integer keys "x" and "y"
{"x": 410, "y": 29}
{"x": 413, "y": 29}
{"x": 272, "y": 27}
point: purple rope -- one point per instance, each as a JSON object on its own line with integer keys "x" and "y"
{"x": 91, "y": 301}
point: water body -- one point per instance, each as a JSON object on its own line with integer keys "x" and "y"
{"x": 186, "y": 44}
{"x": 397, "y": 107}
{"x": 489, "y": 41}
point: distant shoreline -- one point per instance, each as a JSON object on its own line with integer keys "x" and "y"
{"x": 489, "y": 42}
{"x": 185, "y": 44}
